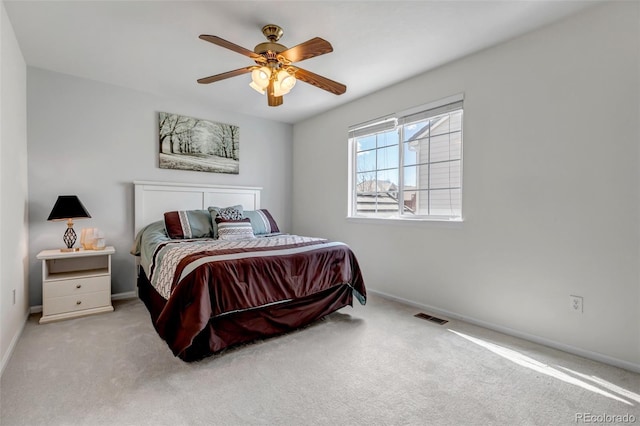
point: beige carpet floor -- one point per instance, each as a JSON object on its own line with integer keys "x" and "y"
{"x": 371, "y": 365}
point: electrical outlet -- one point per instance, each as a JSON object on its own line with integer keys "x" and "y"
{"x": 575, "y": 304}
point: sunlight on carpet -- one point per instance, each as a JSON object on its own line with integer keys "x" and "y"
{"x": 525, "y": 361}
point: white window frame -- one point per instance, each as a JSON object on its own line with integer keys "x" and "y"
{"x": 397, "y": 121}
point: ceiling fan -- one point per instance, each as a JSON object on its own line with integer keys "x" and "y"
{"x": 274, "y": 73}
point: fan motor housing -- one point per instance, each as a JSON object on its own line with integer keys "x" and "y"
{"x": 267, "y": 46}
{"x": 273, "y": 33}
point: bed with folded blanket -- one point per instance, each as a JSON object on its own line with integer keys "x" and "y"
{"x": 213, "y": 277}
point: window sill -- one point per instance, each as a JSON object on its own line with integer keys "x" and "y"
{"x": 404, "y": 221}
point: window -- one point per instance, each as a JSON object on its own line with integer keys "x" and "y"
{"x": 409, "y": 165}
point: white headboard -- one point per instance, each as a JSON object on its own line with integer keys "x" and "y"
{"x": 153, "y": 199}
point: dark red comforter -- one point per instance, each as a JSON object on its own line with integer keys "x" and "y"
{"x": 219, "y": 283}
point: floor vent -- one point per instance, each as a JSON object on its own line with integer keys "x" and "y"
{"x": 431, "y": 318}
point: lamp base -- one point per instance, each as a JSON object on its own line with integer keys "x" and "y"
{"x": 67, "y": 250}
{"x": 69, "y": 237}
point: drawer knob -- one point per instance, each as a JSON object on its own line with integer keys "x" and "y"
{"x": 78, "y": 285}
{"x": 78, "y": 302}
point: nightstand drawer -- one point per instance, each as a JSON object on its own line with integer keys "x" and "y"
{"x": 76, "y": 286}
{"x": 78, "y": 302}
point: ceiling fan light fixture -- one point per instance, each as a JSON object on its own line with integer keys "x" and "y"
{"x": 257, "y": 88}
{"x": 273, "y": 75}
{"x": 284, "y": 82}
{"x": 260, "y": 78}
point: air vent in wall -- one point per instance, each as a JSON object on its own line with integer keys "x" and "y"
{"x": 431, "y": 318}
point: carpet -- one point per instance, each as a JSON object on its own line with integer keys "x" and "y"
{"x": 366, "y": 365}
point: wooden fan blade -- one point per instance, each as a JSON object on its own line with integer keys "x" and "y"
{"x": 310, "y": 48}
{"x": 232, "y": 46}
{"x": 320, "y": 81}
{"x": 272, "y": 100}
{"x": 228, "y": 74}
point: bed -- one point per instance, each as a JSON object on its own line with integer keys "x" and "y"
{"x": 240, "y": 280}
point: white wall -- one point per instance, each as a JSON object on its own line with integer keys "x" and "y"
{"x": 93, "y": 140}
{"x": 551, "y": 188}
{"x": 13, "y": 189}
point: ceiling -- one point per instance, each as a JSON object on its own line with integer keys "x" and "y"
{"x": 153, "y": 46}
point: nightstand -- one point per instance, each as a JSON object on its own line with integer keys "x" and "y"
{"x": 75, "y": 283}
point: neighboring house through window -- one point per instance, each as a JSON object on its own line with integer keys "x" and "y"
{"x": 409, "y": 165}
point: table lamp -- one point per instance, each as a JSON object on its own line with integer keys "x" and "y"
{"x": 68, "y": 207}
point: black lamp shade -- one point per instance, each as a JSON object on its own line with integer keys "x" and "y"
{"x": 68, "y": 207}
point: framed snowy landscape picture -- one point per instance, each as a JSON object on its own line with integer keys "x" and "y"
{"x": 189, "y": 143}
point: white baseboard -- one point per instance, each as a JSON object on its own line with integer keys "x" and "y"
{"x": 117, "y": 296}
{"x": 12, "y": 345}
{"x": 605, "y": 359}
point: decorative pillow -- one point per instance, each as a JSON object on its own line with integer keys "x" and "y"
{"x": 188, "y": 224}
{"x": 229, "y": 213}
{"x": 261, "y": 221}
{"x": 234, "y": 229}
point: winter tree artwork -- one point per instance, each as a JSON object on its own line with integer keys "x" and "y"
{"x": 189, "y": 143}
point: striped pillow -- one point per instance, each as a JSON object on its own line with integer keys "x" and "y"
{"x": 234, "y": 229}
{"x": 261, "y": 221}
{"x": 188, "y": 224}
